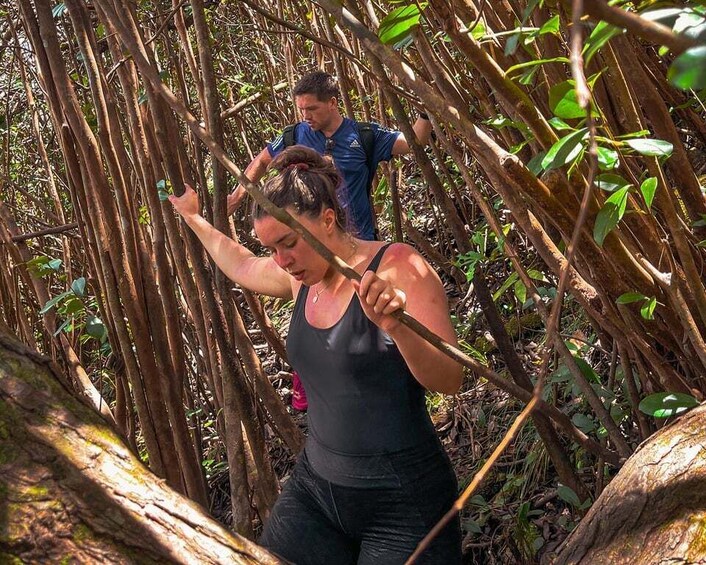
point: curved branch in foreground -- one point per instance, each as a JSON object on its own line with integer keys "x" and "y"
{"x": 70, "y": 490}
{"x": 654, "y": 510}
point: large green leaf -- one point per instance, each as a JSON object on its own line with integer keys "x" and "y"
{"x": 565, "y": 150}
{"x": 610, "y": 214}
{"x": 611, "y": 182}
{"x": 607, "y": 158}
{"x": 601, "y": 34}
{"x": 648, "y": 308}
{"x": 563, "y": 101}
{"x": 651, "y": 147}
{"x": 648, "y": 189}
{"x": 688, "y": 71}
{"x": 666, "y": 404}
{"x": 550, "y": 26}
{"x": 630, "y": 297}
{"x": 79, "y": 286}
{"x": 96, "y": 328}
{"x": 399, "y": 23}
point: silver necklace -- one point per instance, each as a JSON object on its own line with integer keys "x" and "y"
{"x": 318, "y": 293}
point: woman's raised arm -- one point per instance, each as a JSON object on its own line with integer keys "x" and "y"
{"x": 239, "y": 264}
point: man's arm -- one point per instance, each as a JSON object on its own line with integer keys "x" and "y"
{"x": 422, "y": 129}
{"x": 254, "y": 171}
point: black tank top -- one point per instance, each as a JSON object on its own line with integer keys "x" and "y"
{"x": 363, "y": 400}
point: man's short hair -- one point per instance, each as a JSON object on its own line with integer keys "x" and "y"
{"x": 320, "y": 84}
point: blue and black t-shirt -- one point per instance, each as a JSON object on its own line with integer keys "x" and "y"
{"x": 350, "y": 159}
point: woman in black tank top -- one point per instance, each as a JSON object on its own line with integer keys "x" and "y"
{"x": 373, "y": 478}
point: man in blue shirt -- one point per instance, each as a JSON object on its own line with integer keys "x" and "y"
{"x": 324, "y": 129}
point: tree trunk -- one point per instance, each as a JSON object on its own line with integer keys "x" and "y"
{"x": 654, "y": 510}
{"x": 71, "y": 491}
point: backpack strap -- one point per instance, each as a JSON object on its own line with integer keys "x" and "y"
{"x": 367, "y": 140}
{"x": 288, "y": 135}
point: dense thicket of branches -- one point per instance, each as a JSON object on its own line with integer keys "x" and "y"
{"x": 124, "y": 297}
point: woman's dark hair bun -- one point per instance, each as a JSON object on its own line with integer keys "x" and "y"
{"x": 306, "y": 181}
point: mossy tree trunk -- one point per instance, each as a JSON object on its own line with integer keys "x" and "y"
{"x": 654, "y": 510}
{"x": 70, "y": 491}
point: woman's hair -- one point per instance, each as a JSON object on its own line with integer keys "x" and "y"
{"x": 306, "y": 181}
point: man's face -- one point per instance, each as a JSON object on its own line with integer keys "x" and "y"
{"x": 319, "y": 115}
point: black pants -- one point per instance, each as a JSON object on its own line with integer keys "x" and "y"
{"x": 315, "y": 522}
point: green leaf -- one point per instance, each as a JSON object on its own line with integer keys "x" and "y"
{"x": 583, "y": 423}
{"x": 53, "y": 302}
{"x": 587, "y": 371}
{"x": 568, "y": 495}
{"x": 688, "y": 71}
{"x": 651, "y": 147}
{"x": 96, "y": 328}
{"x": 399, "y": 23}
{"x": 534, "y": 63}
{"x": 647, "y": 311}
{"x": 565, "y": 150}
{"x": 520, "y": 291}
{"x": 563, "y": 101}
{"x": 478, "y": 30}
{"x": 610, "y": 214}
{"x": 535, "y": 163}
{"x": 611, "y": 182}
{"x": 79, "y": 286}
{"x": 690, "y": 24}
{"x": 559, "y": 124}
{"x": 55, "y": 264}
{"x": 73, "y": 305}
{"x": 607, "y": 158}
{"x": 512, "y": 43}
{"x": 472, "y": 527}
{"x": 550, "y": 26}
{"x": 503, "y": 287}
{"x": 666, "y": 404}
{"x": 648, "y": 189}
{"x": 537, "y": 275}
{"x": 630, "y": 297}
{"x": 633, "y": 134}
{"x": 601, "y": 34}
{"x": 67, "y": 325}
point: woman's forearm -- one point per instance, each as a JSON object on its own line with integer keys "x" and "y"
{"x": 432, "y": 368}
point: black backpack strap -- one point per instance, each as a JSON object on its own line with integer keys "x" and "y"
{"x": 367, "y": 140}
{"x": 288, "y": 135}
